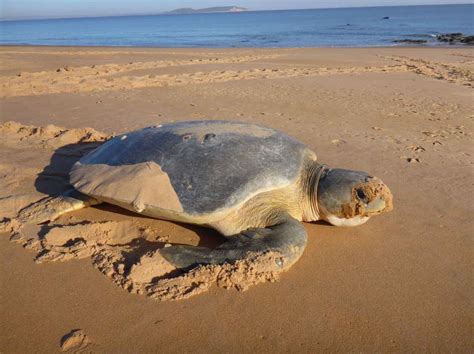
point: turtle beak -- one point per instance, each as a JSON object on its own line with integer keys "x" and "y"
{"x": 382, "y": 203}
{"x": 376, "y": 206}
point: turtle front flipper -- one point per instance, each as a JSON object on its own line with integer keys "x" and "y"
{"x": 50, "y": 208}
{"x": 286, "y": 241}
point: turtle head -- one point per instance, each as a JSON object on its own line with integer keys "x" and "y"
{"x": 350, "y": 198}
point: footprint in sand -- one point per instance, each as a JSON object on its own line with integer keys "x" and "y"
{"x": 416, "y": 148}
{"x": 413, "y": 159}
{"x": 338, "y": 142}
{"x": 74, "y": 341}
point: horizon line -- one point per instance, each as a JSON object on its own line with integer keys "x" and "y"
{"x": 167, "y": 13}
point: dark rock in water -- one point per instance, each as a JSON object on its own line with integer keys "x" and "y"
{"x": 385, "y": 18}
{"x": 449, "y": 37}
{"x": 410, "y": 41}
{"x": 453, "y": 38}
{"x": 468, "y": 40}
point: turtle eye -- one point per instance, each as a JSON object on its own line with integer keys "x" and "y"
{"x": 361, "y": 195}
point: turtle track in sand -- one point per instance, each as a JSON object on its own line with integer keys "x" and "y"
{"x": 14, "y": 87}
{"x": 110, "y": 77}
{"x": 124, "y": 250}
{"x": 442, "y": 71}
{"x": 84, "y": 78}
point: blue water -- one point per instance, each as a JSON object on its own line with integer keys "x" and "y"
{"x": 351, "y": 27}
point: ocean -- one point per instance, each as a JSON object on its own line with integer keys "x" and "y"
{"x": 344, "y": 27}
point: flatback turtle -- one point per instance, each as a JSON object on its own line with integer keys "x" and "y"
{"x": 253, "y": 184}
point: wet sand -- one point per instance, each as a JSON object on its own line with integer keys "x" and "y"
{"x": 402, "y": 282}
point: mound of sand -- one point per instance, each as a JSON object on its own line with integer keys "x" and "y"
{"x": 116, "y": 249}
{"x": 51, "y": 135}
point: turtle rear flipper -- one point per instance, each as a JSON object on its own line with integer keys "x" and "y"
{"x": 50, "y": 208}
{"x": 287, "y": 240}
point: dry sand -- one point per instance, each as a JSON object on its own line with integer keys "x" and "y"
{"x": 402, "y": 282}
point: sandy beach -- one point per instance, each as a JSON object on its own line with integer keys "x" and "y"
{"x": 400, "y": 283}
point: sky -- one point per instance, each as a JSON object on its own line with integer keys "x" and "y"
{"x": 29, "y": 9}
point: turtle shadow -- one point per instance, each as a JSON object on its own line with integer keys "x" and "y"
{"x": 53, "y": 180}
{"x": 135, "y": 251}
{"x": 208, "y": 237}
{"x": 323, "y": 223}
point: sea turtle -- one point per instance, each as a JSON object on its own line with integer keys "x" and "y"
{"x": 252, "y": 184}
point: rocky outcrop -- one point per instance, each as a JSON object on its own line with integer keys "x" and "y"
{"x": 455, "y": 38}
{"x": 447, "y": 38}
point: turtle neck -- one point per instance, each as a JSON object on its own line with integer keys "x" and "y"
{"x": 309, "y": 190}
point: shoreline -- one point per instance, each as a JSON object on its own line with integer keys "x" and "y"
{"x": 441, "y": 45}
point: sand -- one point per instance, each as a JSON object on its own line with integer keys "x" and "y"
{"x": 402, "y": 282}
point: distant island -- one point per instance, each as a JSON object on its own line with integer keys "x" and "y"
{"x": 188, "y": 10}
